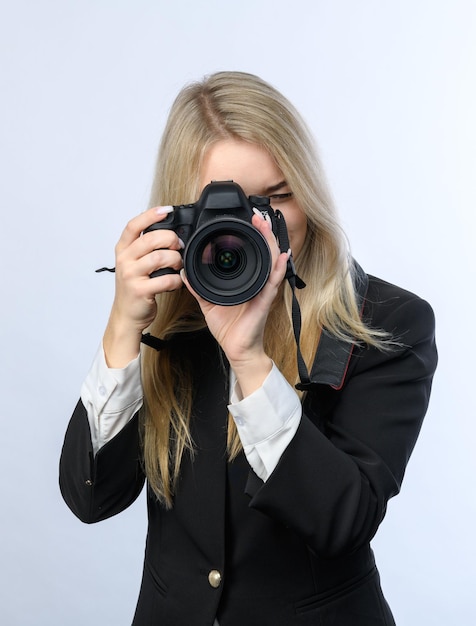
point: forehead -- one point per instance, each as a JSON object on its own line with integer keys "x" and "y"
{"x": 248, "y": 164}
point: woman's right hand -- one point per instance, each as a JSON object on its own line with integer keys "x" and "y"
{"x": 134, "y": 306}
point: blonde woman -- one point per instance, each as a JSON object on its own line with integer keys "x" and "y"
{"x": 262, "y": 497}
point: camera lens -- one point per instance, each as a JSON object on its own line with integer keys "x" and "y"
{"x": 224, "y": 255}
{"x": 227, "y": 262}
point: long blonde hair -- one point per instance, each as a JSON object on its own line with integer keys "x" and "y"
{"x": 236, "y": 105}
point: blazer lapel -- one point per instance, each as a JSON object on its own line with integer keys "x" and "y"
{"x": 333, "y": 355}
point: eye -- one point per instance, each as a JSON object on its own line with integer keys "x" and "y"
{"x": 280, "y": 197}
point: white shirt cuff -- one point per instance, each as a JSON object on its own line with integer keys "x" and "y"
{"x": 111, "y": 397}
{"x": 266, "y": 420}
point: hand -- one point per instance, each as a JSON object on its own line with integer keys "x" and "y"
{"x": 134, "y": 306}
{"x": 240, "y": 329}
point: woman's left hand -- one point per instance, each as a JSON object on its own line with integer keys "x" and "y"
{"x": 239, "y": 329}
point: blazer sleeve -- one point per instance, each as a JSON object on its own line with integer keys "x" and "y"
{"x": 96, "y": 487}
{"x": 333, "y": 481}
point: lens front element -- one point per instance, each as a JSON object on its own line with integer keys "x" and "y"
{"x": 227, "y": 262}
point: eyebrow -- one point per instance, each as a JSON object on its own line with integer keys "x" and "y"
{"x": 276, "y": 187}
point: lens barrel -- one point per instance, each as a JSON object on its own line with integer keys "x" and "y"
{"x": 227, "y": 261}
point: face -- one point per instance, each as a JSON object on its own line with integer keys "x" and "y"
{"x": 255, "y": 171}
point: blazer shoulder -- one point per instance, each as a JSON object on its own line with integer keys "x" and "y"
{"x": 380, "y": 290}
{"x": 404, "y": 316}
{"x": 398, "y": 311}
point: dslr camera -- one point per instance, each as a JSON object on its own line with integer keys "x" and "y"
{"x": 226, "y": 259}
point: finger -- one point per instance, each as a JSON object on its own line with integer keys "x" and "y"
{"x": 138, "y": 224}
{"x": 264, "y": 227}
{"x": 205, "y": 305}
{"x": 167, "y": 282}
{"x": 129, "y": 272}
{"x": 135, "y": 279}
{"x": 151, "y": 243}
{"x": 156, "y": 240}
{"x": 157, "y": 260}
{"x": 279, "y": 270}
{"x": 187, "y": 284}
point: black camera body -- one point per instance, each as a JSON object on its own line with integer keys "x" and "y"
{"x": 226, "y": 259}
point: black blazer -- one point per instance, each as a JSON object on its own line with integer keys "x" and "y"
{"x": 294, "y": 550}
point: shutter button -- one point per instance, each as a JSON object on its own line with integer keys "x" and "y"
{"x": 214, "y": 578}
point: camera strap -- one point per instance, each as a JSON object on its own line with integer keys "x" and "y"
{"x": 295, "y": 282}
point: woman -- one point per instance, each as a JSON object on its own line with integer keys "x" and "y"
{"x": 262, "y": 498}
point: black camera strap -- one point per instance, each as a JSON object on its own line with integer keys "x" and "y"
{"x": 295, "y": 282}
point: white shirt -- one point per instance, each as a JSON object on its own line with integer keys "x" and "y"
{"x": 266, "y": 420}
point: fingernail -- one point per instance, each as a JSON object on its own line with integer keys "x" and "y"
{"x": 182, "y": 274}
{"x": 163, "y": 210}
{"x": 289, "y": 253}
{"x": 181, "y": 243}
{"x": 258, "y": 213}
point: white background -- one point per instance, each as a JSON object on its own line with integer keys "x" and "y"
{"x": 388, "y": 89}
